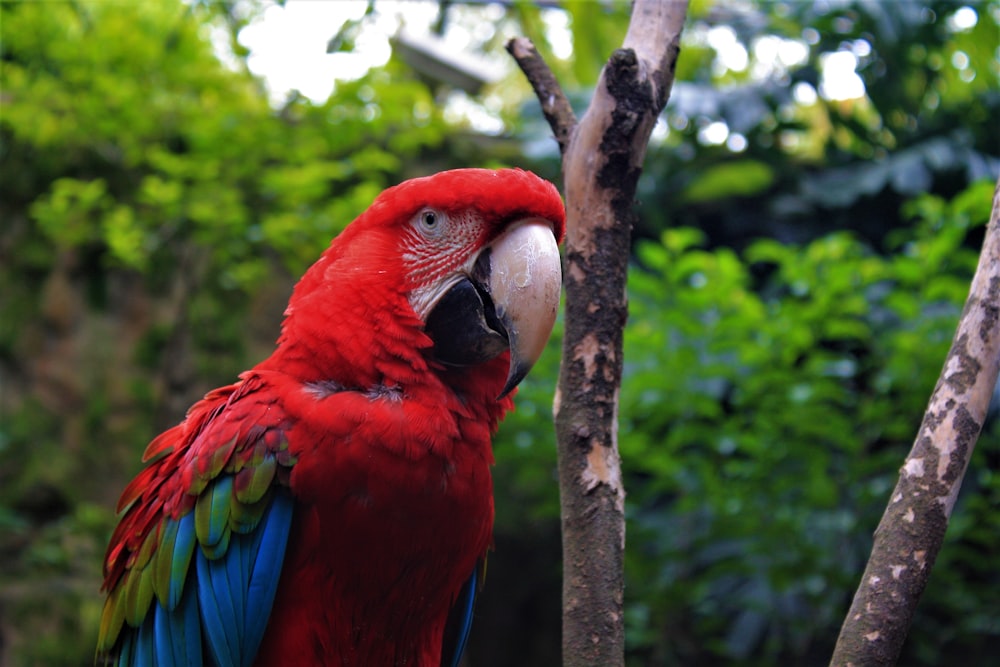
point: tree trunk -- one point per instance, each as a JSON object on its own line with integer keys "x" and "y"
{"x": 909, "y": 536}
{"x": 602, "y": 160}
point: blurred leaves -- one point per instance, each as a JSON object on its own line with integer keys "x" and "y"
{"x": 742, "y": 178}
{"x": 152, "y": 202}
{"x": 767, "y": 401}
{"x": 926, "y": 121}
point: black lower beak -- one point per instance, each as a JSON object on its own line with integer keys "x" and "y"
{"x": 464, "y": 326}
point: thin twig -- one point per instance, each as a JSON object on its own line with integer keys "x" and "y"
{"x": 555, "y": 105}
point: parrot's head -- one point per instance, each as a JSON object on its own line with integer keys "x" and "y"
{"x": 472, "y": 252}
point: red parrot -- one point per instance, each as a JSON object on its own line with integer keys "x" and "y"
{"x": 335, "y": 506}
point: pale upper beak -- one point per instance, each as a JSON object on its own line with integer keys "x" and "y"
{"x": 509, "y": 300}
{"x": 524, "y": 283}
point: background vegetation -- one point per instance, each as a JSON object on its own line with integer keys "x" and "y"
{"x": 799, "y": 267}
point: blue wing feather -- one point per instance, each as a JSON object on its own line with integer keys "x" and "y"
{"x": 236, "y": 600}
{"x": 236, "y": 579}
{"x": 228, "y": 599}
{"x": 167, "y": 653}
{"x": 221, "y": 605}
{"x": 178, "y": 633}
{"x": 144, "y": 643}
{"x": 268, "y": 554}
{"x": 216, "y": 611}
{"x": 126, "y": 653}
{"x": 181, "y": 558}
{"x": 460, "y": 621}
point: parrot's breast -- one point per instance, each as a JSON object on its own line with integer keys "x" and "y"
{"x": 395, "y": 512}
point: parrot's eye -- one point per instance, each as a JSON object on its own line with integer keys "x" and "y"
{"x": 429, "y": 221}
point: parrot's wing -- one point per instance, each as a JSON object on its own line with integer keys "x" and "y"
{"x": 456, "y": 631}
{"x": 194, "y": 564}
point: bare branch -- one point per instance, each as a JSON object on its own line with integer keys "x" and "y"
{"x": 909, "y": 536}
{"x": 602, "y": 160}
{"x": 555, "y": 105}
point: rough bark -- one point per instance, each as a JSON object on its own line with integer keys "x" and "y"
{"x": 602, "y": 160}
{"x": 909, "y": 536}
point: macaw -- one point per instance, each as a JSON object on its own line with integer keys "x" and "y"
{"x": 335, "y": 506}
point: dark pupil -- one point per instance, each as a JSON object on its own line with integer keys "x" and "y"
{"x": 430, "y": 219}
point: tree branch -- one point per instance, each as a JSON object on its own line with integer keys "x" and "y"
{"x": 602, "y": 160}
{"x": 910, "y": 534}
{"x": 555, "y": 104}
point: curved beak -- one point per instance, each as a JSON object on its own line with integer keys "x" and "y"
{"x": 508, "y": 299}
{"x": 524, "y": 283}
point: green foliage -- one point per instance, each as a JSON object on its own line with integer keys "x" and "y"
{"x": 204, "y": 158}
{"x": 155, "y": 207}
{"x": 925, "y": 122}
{"x": 767, "y": 404}
{"x": 768, "y": 400}
{"x": 742, "y": 178}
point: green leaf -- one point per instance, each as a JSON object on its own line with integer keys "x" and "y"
{"x": 741, "y": 178}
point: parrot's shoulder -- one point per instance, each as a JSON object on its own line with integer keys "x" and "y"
{"x": 202, "y": 519}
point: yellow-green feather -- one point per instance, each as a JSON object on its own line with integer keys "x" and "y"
{"x": 252, "y": 482}
{"x": 172, "y": 565}
{"x": 138, "y": 594}
{"x": 284, "y": 455}
{"x": 146, "y": 550}
{"x": 163, "y": 562}
{"x": 244, "y": 517}
{"x": 112, "y": 619}
{"x": 250, "y": 458}
{"x": 219, "y": 457}
{"x": 211, "y": 513}
{"x": 218, "y": 550}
